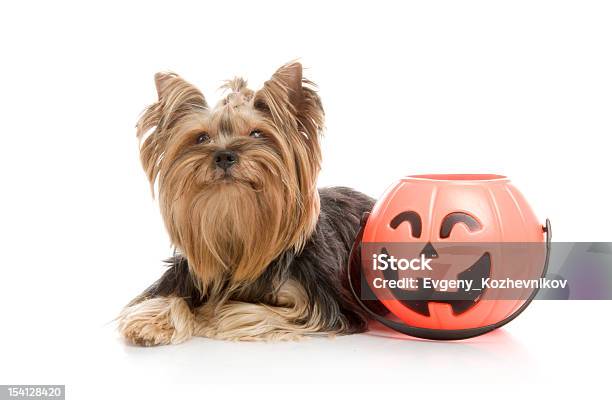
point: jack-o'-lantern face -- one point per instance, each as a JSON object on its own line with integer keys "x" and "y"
{"x": 459, "y": 300}
{"x": 458, "y": 222}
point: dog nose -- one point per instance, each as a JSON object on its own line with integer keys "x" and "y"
{"x": 429, "y": 251}
{"x": 224, "y": 159}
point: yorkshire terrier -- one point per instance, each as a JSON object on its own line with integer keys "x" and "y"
{"x": 261, "y": 253}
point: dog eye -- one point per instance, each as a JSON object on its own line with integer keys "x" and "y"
{"x": 202, "y": 137}
{"x": 256, "y": 134}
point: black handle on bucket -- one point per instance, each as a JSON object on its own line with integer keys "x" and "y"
{"x": 426, "y": 333}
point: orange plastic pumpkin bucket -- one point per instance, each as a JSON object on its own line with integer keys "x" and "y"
{"x": 428, "y": 215}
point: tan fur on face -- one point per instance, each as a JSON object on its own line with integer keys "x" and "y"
{"x": 235, "y": 227}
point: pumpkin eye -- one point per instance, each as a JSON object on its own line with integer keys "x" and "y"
{"x": 256, "y": 134}
{"x": 202, "y": 137}
{"x": 458, "y": 217}
{"x": 411, "y": 217}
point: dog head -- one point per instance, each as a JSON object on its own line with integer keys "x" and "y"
{"x": 236, "y": 182}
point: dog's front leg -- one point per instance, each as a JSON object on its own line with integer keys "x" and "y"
{"x": 163, "y": 314}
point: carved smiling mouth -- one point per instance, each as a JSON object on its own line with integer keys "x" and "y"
{"x": 460, "y": 301}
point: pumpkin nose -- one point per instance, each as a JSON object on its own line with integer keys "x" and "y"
{"x": 429, "y": 251}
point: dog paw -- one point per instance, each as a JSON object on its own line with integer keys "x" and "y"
{"x": 156, "y": 321}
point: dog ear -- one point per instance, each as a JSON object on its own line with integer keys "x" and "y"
{"x": 292, "y": 103}
{"x": 289, "y": 95}
{"x": 176, "y": 99}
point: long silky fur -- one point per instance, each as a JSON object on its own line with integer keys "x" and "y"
{"x": 319, "y": 268}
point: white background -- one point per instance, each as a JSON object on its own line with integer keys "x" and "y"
{"x": 522, "y": 88}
